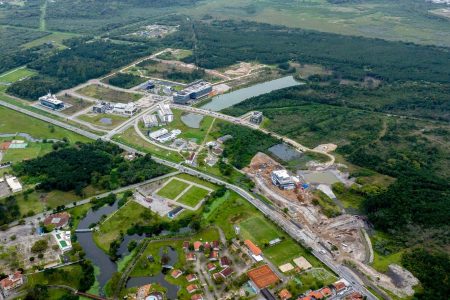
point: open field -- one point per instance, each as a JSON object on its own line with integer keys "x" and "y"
{"x": 197, "y": 180}
{"x": 105, "y": 94}
{"x": 55, "y": 38}
{"x": 77, "y": 104}
{"x": 187, "y": 132}
{"x": 311, "y": 279}
{"x": 33, "y": 150}
{"x": 172, "y": 189}
{"x": 175, "y": 54}
{"x": 16, "y": 75}
{"x": 12, "y": 122}
{"x": 193, "y": 196}
{"x": 103, "y": 120}
{"x": 257, "y": 229}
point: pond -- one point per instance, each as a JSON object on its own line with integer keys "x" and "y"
{"x": 192, "y": 120}
{"x": 226, "y": 100}
{"x": 285, "y": 152}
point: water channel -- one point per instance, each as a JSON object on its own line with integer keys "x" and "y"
{"x": 226, "y": 100}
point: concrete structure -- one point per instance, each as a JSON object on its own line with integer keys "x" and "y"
{"x": 63, "y": 239}
{"x": 51, "y": 101}
{"x": 156, "y": 134}
{"x": 174, "y": 212}
{"x": 163, "y": 135}
{"x": 13, "y": 184}
{"x": 286, "y": 267}
{"x": 150, "y": 121}
{"x": 256, "y": 117}
{"x": 8, "y": 284}
{"x": 195, "y": 90}
{"x": 127, "y": 109}
{"x": 283, "y": 180}
{"x": 165, "y": 114}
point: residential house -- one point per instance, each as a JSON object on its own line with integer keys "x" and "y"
{"x": 191, "y": 277}
{"x": 58, "y": 220}
{"x": 326, "y": 292}
{"x": 191, "y": 256}
{"x": 284, "y": 294}
{"x": 216, "y": 245}
{"x": 340, "y": 285}
{"x": 186, "y": 245}
{"x": 197, "y": 297}
{"x": 227, "y": 272}
{"x": 225, "y": 262}
{"x": 197, "y": 246}
{"x": 214, "y": 256}
{"x": 211, "y": 267}
{"x": 176, "y": 273}
{"x": 11, "y": 282}
{"x": 192, "y": 288}
{"x": 317, "y": 295}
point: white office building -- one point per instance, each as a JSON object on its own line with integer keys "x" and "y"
{"x": 165, "y": 114}
{"x": 283, "y": 180}
{"x": 150, "y": 121}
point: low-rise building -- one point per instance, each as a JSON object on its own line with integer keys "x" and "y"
{"x": 197, "y": 297}
{"x": 214, "y": 255}
{"x": 283, "y": 180}
{"x": 11, "y": 282}
{"x": 284, "y": 294}
{"x": 340, "y": 285}
{"x": 150, "y": 121}
{"x": 194, "y": 91}
{"x": 211, "y": 267}
{"x": 51, "y": 102}
{"x": 256, "y": 117}
{"x": 225, "y": 262}
{"x": 255, "y": 251}
{"x": 63, "y": 240}
{"x": 191, "y": 256}
{"x": 13, "y": 184}
{"x": 197, "y": 245}
{"x": 101, "y": 107}
{"x": 176, "y": 273}
{"x": 191, "y": 277}
{"x": 227, "y": 272}
{"x": 192, "y": 288}
{"x": 165, "y": 114}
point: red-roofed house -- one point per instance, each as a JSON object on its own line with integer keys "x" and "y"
{"x": 339, "y": 286}
{"x": 226, "y": 272}
{"x": 225, "y": 262}
{"x": 211, "y": 267}
{"x": 326, "y": 292}
{"x": 191, "y": 277}
{"x": 214, "y": 256}
{"x": 192, "y": 288}
{"x": 11, "y": 282}
{"x": 216, "y": 245}
{"x": 317, "y": 295}
{"x": 176, "y": 273}
{"x": 191, "y": 256}
{"x": 305, "y": 298}
{"x": 285, "y": 295}
{"x": 252, "y": 247}
{"x": 354, "y": 296}
{"x": 58, "y": 220}
{"x": 207, "y": 246}
{"x": 197, "y": 246}
{"x": 186, "y": 245}
{"x": 197, "y": 297}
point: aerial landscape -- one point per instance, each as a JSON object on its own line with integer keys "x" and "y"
{"x": 212, "y": 149}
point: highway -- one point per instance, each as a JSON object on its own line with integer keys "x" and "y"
{"x": 294, "y": 231}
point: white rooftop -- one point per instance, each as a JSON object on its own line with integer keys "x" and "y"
{"x": 51, "y": 99}
{"x": 282, "y": 174}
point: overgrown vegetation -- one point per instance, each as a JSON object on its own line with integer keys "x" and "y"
{"x": 125, "y": 80}
{"x": 97, "y": 163}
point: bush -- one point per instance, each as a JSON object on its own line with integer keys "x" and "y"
{"x": 39, "y": 246}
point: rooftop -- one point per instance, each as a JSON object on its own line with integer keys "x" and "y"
{"x": 263, "y": 276}
{"x": 253, "y": 248}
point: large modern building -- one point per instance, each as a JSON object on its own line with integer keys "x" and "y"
{"x": 51, "y": 101}
{"x": 195, "y": 90}
{"x": 165, "y": 113}
{"x": 13, "y": 184}
{"x": 283, "y": 180}
{"x": 127, "y": 109}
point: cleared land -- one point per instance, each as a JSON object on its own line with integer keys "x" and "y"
{"x": 103, "y": 120}
{"x": 77, "y": 104}
{"x": 106, "y": 94}
{"x": 175, "y": 54}
{"x": 55, "y": 38}
{"x": 193, "y": 196}
{"x": 172, "y": 189}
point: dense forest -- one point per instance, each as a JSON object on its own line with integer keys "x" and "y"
{"x": 125, "y": 80}
{"x": 222, "y": 43}
{"x": 79, "y": 63}
{"x": 9, "y": 210}
{"x": 99, "y": 163}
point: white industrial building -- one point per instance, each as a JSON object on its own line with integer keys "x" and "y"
{"x": 163, "y": 135}
{"x": 13, "y": 184}
{"x": 165, "y": 113}
{"x": 51, "y": 101}
{"x": 127, "y": 109}
{"x": 150, "y": 121}
{"x": 283, "y": 180}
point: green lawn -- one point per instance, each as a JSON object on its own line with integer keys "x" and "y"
{"x": 193, "y": 196}
{"x": 96, "y": 119}
{"x": 258, "y": 230}
{"x": 125, "y": 217}
{"x": 33, "y": 150}
{"x": 172, "y": 189}
{"x": 55, "y": 38}
{"x": 106, "y": 94}
{"x": 198, "y": 181}
{"x": 187, "y": 132}
{"x": 12, "y": 122}
{"x": 16, "y": 75}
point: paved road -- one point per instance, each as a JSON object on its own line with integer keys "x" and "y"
{"x": 290, "y": 228}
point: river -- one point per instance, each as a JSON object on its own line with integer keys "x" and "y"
{"x": 226, "y": 100}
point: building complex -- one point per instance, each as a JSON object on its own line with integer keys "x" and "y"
{"x": 195, "y": 90}
{"x": 50, "y": 101}
{"x": 283, "y": 180}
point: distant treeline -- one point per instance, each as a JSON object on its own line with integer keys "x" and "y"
{"x": 82, "y": 61}
{"x": 100, "y": 164}
{"x": 222, "y": 43}
{"x": 125, "y": 80}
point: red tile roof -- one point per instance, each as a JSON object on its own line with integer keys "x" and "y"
{"x": 176, "y": 273}
{"x": 192, "y": 288}
{"x": 211, "y": 267}
{"x": 190, "y": 256}
{"x": 197, "y": 245}
{"x": 191, "y": 277}
{"x": 224, "y": 261}
{"x": 316, "y": 294}
{"x": 284, "y": 294}
{"x": 252, "y": 247}
{"x": 226, "y": 272}
{"x": 339, "y": 286}
{"x": 11, "y": 281}
{"x": 326, "y": 291}
{"x": 197, "y": 297}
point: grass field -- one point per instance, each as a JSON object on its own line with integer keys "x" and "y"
{"x": 33, "y": 150}
{"x": 187, "y": 132}
{"x": 106, "y": 94}
{"x": 172, "y": 189}
{"x": 124, "y": 218}
{"x": 16, "y": 75}
{"x": 12, "y": 122}
{"x": 193, "y": 196}
{"x": 258, "y": 229}
{"x": 95, "y": 119}
{"x": 198, "y": 180}
{"x": 176, "y": 54}
{"x": 77, "y": 104}
{"x": 56, "y": 38}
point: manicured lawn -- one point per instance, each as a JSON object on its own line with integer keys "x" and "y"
{"x": 258, "y": 230}
{"x": 198, "y": 181}
{"x": 193, "y": 196}
{"x": 12, "y": 122}
{"x": 106, "y": 94}
{"x": 124, "y": 218}
{"x": 96, "y": 119}
{"x": 68, "y": 275}
{"x": 33, "y": 150}
{"x": 286, "y": 251}
{"x": 16, "y": 75}
{"x": 172, "y": 189}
